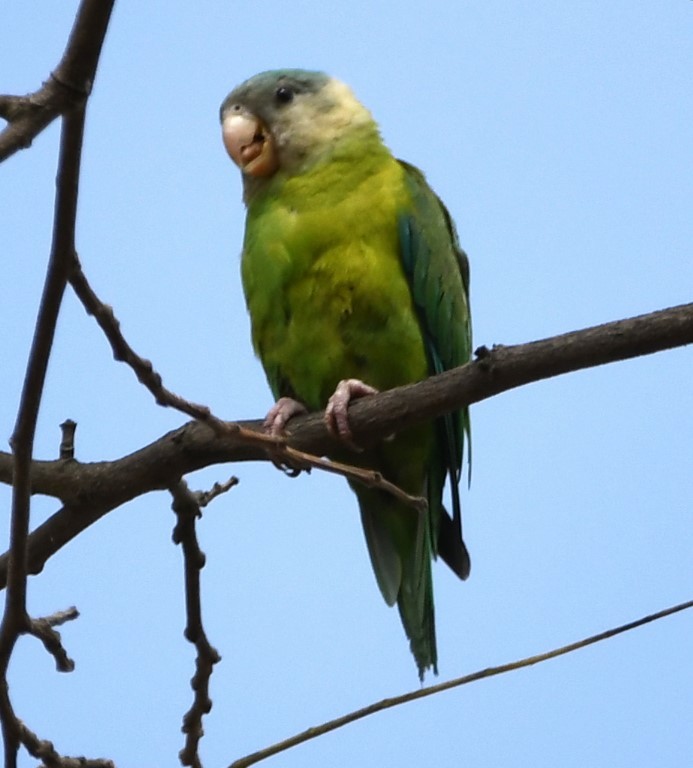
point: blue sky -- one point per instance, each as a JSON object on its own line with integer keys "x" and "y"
{"x": 559, "y": 136}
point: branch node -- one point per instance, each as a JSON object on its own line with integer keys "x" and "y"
{"x": 484, "y": 358}
{"x": 79, "y": 92}
{"x": 67, "y": 442}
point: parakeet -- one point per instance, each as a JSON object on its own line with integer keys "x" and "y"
{"x": 355, "y": 282}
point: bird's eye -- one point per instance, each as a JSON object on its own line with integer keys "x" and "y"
{"x": 284, "y": 95}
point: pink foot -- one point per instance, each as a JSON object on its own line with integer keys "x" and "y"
{"x": 336, "y": 413}
{"x": 277, "y": 416}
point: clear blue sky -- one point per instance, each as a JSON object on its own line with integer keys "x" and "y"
{"x": 559, "y": 135}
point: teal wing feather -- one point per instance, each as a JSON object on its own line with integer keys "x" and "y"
{"x": 438, "y": 273}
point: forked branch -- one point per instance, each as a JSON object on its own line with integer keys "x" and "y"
{"x": 67, "y": 87}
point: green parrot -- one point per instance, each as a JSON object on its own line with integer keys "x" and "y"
{"x": 355, "y": 282}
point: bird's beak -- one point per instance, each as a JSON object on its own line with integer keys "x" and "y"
{"x": 249, "y": 144}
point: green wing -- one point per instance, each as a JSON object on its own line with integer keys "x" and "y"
{"x": 438, "y": 273}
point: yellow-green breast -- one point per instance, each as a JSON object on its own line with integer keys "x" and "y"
{"x": 325, "y": 288}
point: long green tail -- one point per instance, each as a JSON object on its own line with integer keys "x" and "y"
{"x": 399, "y": 545}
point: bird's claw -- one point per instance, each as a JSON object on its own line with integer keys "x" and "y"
{"x": 337, "y": 410}
{"x": 279, "y": 414}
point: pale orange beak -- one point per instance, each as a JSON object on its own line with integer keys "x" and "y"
{"x": 249, "y": 144}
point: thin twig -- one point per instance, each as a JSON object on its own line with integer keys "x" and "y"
{"x": 43, "y": 629}
{"x": 44, "y": 750}
{"x": 371, "y": 479}
{"x": 203, "y": 498}
{"x": 187, "y": 509}
{"x": 123, "y": 352}
{"x": 421, "y": 693}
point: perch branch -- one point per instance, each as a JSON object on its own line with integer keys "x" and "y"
{"x": 143, "y": 369}
{"x": 421, "y": 693}
{"x": 90, "y": 490}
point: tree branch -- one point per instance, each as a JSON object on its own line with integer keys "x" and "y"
{"x": 65, "y": 93}
{"x": 186, "y": 505}
{"x": 422, "y": 693}
{"x": 44, "y": 630}
{"x": 123, "y": 352}
{"x": 91, "y": 490}
{"x": 15, "y": 620}
{"x": 68, "y": 85}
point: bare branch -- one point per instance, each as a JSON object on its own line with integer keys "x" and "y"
{"x": 15, "y": 619}
{"x": 503, "y": 368}
{"x": 54, "y": 287}
{"x": 68, "y": 86}
{"x": 65, "y": 93}
{"x": 187, "y": 509}
{"x": 422, "y": 693}
{"x": 91, "y": 490}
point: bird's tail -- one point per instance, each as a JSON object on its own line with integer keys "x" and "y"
{"x": 415, "y": 603}
{"x": 399, "y": 545}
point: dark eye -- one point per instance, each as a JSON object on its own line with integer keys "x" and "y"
{"x": 284, "y": 95}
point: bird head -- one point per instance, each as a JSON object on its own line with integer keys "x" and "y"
{"x": 288, "y": 120}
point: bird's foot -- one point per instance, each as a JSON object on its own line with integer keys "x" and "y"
{"x": 279, "y": 414}
{"x": 336, "y": 413}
